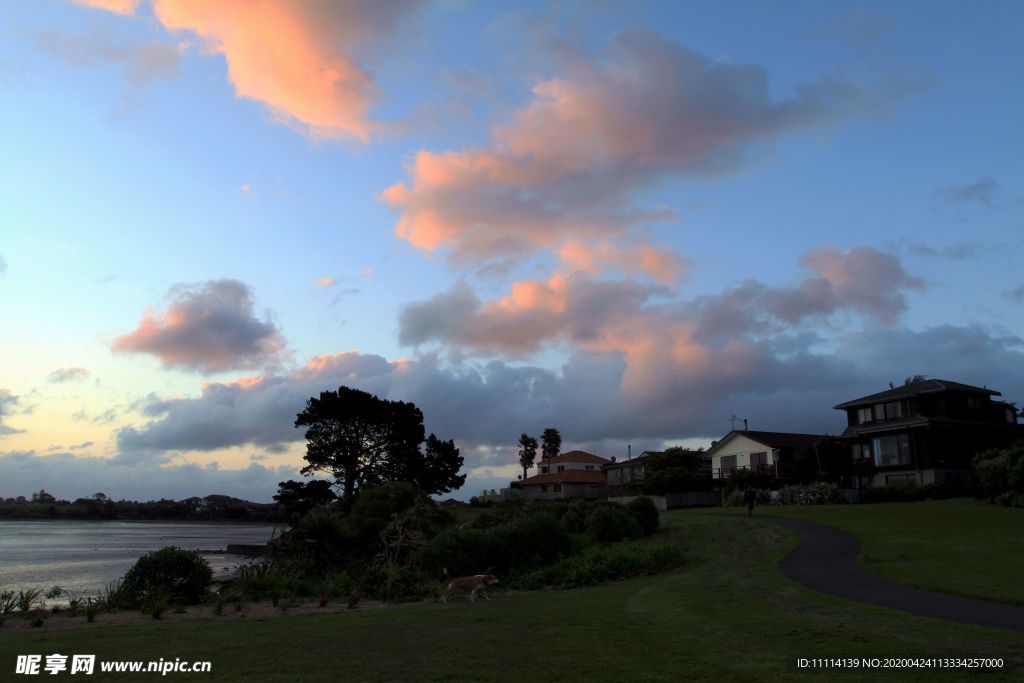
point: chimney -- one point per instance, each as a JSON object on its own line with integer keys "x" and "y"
{"x": 629, "y": 451}
{"x": 744, "y": 424}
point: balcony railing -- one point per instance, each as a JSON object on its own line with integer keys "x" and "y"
{"x": 764, "y": 471}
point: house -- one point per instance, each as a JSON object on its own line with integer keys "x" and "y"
{"x": 575, "y": 474}
{"x": 925, "y": 431}
{"x": 631, "y": 471}
{"x": 769, "y": 455}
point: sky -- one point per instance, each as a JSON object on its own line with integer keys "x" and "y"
{"x": 629, "y": 221}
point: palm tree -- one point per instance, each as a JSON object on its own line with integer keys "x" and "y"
{"x": 527, "y": 452}
{"x": 552, "y": 441}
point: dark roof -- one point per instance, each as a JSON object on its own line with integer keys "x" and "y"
{"x": 567, "y": 477}
{"x": 770, "y": 439}
{"x": 578, "y": 456}
{"x": 925, "y": 386}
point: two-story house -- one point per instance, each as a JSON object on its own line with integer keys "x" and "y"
{"x": 575, "y": 474}
{"x": 924, "y": 431}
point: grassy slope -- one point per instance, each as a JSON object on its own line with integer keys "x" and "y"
{"x": 958, "y": 546}
{"x": 728, "y": 615}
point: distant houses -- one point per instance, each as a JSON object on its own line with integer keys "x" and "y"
{"x": 575, "y": 474}
{"x": 924, "y": 432}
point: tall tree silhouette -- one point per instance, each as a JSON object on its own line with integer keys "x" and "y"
{"x": 364, "y": 441}
{"x": 551, "y": 441}
{"x": 527, "y": 452}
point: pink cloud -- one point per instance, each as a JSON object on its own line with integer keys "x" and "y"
{"x": 299, "y": 57}
{"x": 210, "y": 328}
{"x": 708, "y": 339}
{"x": 568, "y": 166}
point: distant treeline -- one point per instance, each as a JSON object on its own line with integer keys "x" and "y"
{"x": 214, "y": 508}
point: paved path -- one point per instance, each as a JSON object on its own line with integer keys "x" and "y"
{"x": 826, "y": 561}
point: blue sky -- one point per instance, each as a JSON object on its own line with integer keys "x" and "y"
{"x": 626, "y": 220}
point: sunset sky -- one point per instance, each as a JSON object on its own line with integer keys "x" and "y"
{"x": 630, "y": 221}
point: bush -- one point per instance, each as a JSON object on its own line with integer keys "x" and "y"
{"x": 819, "y": 493}
{"x": 599, "y": 564}
{"x": 181, "y": 574}
{"x": 611, "y": 523}
{"x": 761, "y": 497}
{"x": 1000, "y": 475}
{"x": 523, "y": 545}
{"x": 646, "y": 514}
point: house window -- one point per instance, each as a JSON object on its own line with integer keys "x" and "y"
{"x": 1010, "y": 416}
{"x": 543, "y": 488}
{"x": 588, "y": 467}
{"x": 758, "y": 459}
{"x": 879, "y": 411}
{"x": 892, "y": 450}
{"x": 561, "y": 468}
{"x": 861, "y": 452}
{"x": 543, "y": 470}
{"x": 863, "y": 415}
{"x": 973, "y": 402}
{"x": 893, "y": 410}
{"x": 638, "y": 473}
{"x": 558, "y": 488}
{"x": 728, "y": 464}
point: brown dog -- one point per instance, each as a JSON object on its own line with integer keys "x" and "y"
{"x": 474, "y": 584}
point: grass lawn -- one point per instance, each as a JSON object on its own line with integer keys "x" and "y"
{"x": 960, "y": 546}
{"x": 727, "y": 615}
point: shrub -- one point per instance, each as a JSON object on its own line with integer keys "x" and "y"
{"x": 761, "y": 497}
{"x": 181, "y": 574}
{"x": 818, "y": 493}
{"x": 574, "y": 519}
{"x": 646, "y": 514}
{"x": 611, "y": 523}
{"x": 1000, "y": 475}
{"x": 599, "y": 564}
{"x": 522, "y": 545}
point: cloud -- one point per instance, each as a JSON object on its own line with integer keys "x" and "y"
{"x": 569, "y": 166}
{"x": 70, "y": 476}
{"x": 62, "y": 375}
{"x": 143, "y": 64}
{"x": 980, "y": 191}
{"x": 209, "y": 328}
{"x": 325, "y": 281}
{"x": 611, "y": 316}
{"x": 299, "y": 57}
{"x": 779, "y": 383}
{"x": 1017, "y": 293}
{"x": 8, "y": 406}
{"x": 125, "y": 7}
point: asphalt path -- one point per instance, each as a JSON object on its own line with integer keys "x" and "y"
{"x": 826, "y": 561}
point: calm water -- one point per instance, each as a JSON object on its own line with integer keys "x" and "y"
{"x": 82, "y": 557}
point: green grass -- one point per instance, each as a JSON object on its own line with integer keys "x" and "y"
{"x": 964, "y": 547}
{"x": 727, "y": 615}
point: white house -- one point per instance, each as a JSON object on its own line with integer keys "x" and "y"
{"x": 766, "y": 454}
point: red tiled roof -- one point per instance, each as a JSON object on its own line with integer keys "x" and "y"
{"x": 578, "y": 456}
{"x": 567, "y": 477}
